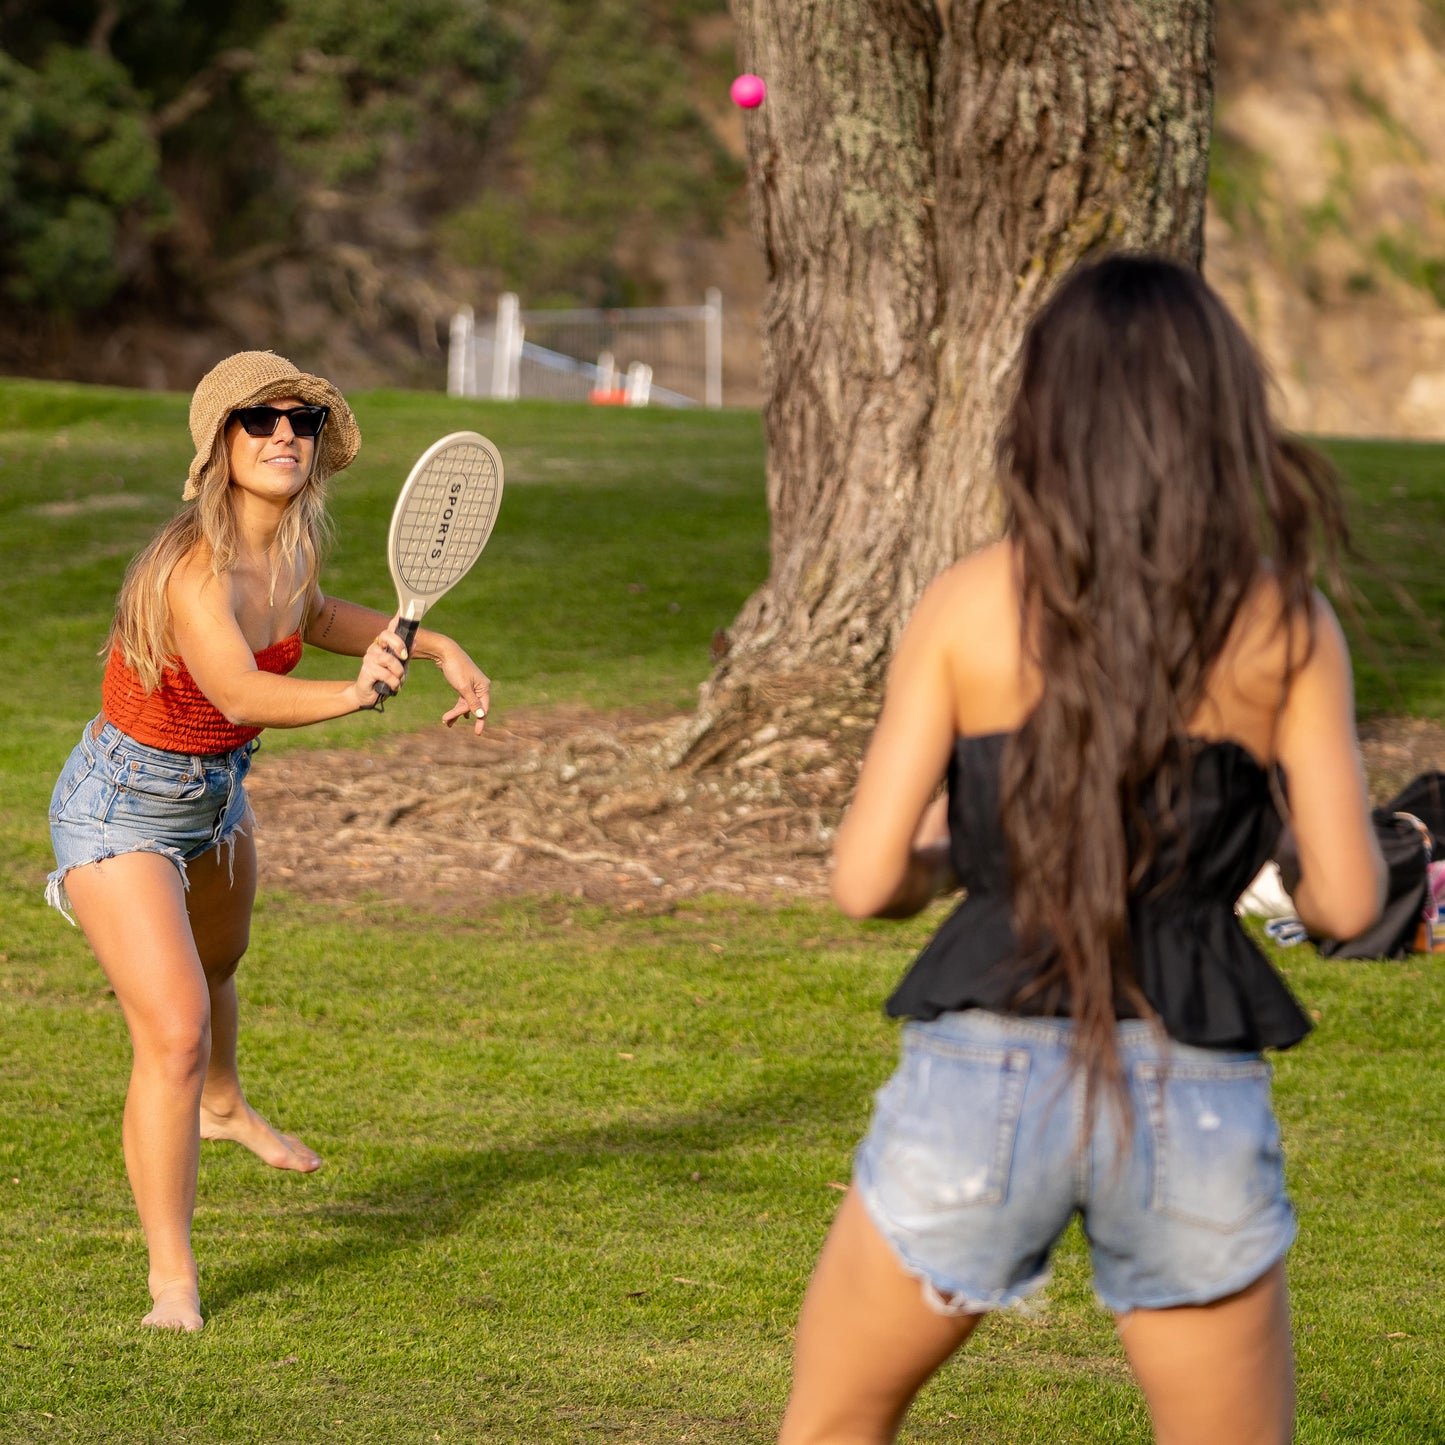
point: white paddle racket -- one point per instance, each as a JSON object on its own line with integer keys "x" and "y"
{"x": 441, "y": 522}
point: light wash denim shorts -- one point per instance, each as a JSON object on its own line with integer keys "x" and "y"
{"x": 972, "y": 1166}
{"x": 115, "y": 795}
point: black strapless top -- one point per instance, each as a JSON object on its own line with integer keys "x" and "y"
{"x": 1195, "y": 964}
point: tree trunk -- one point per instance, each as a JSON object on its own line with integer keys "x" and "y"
{"x": 920, "y": 176}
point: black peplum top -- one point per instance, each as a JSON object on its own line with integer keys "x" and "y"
{"x": 1208, "y": 982}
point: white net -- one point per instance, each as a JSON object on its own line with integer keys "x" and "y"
{"x": 662, "y": 355}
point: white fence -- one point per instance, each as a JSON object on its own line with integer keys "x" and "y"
{"x": 637, "y": 356}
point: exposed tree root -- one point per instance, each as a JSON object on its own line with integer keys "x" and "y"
{"x": 636, "y": 811}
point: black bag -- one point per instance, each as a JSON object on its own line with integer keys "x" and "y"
{"x": 1424, "y": 798}
{"x": 1405, "y": 827}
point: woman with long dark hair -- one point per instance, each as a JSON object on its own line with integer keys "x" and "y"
{"x": 1120, "y": 694}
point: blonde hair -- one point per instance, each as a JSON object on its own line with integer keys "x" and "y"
{"x": 140, "y": 631}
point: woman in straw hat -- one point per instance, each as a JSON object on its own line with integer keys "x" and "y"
{"x": 149, "y": 817}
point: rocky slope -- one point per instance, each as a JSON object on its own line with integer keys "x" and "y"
{"x": 1326, "y": 224}
{"x": 1327, "y": 208}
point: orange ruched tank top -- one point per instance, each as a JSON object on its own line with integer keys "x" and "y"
{"x": 178, "y": 716}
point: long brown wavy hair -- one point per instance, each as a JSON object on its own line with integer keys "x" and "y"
{"x": 1147, "y": 490}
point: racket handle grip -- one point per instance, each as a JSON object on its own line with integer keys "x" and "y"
{"x": 406, "y": 630}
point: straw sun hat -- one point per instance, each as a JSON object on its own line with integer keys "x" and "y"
{"x": 249, "y": 378}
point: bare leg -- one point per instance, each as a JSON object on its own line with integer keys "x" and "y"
{"x": 133, "y": 911}
{"x": 220, "y": 903}
{"x": 867, "y": 1340}
{"x": 1223, "y": 1371}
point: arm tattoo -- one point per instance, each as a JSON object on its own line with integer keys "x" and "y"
{"x": 330, "y": 618}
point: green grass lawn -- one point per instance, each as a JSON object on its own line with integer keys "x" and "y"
{"x": 579, "y": 1162}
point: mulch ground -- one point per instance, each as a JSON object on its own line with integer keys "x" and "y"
{"x": 593, "y": 805}
{"x": 562, "y": 801}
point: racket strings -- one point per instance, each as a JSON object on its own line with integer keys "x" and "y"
{"x": 450, "y": 511}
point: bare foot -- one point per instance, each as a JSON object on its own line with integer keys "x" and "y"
{"x": 244, "y": 1125}
{"x": 177, "y": 1306}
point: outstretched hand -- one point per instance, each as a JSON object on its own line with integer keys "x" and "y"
{"x": 473, "y": 687}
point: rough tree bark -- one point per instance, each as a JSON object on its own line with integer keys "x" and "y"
{"x": 920, "y": 176}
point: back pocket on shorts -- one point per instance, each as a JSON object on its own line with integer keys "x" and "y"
{"x": 1216, "y": 1150}
{"x": 949, "y": 1118}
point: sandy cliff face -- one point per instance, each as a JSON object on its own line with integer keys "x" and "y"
{"x": 1326, "y": 225}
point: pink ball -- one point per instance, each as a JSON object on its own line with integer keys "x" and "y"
{"x": 748, "y": 91}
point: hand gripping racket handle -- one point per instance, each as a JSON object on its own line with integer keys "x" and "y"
{"x": 406, "y": 630}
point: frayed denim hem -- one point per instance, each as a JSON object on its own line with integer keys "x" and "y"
{"x": 1255, "y": 1268}
{"x": 1017, "y": 1299}
{"x": 116, "y": 796}
{"x": 56, "y": 896}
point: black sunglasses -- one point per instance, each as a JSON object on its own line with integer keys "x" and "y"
{"x": 261, "y": 421}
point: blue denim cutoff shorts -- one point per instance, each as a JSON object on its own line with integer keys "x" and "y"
{"x": 115, "y": 795}
{"x": 971, "y": 1168}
